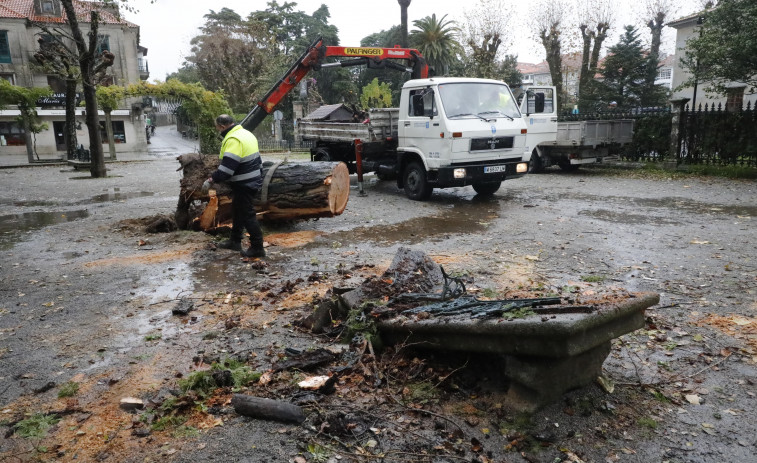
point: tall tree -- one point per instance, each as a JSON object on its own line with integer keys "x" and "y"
{"x": 724, "y": 51}
{"x": 624, "y": 71}
{"x": 403, "y": 21}
{"x": 486, "y": 39}
{"x": 232, "y": 56}
{"x": 594, "y": 25}
{"x": 91, "y": 64}
{"x": 57, "y": 58}
{"x": 437, "y": 42}
{"x": 655, "y": 14}
{"x": 548, "y": 25}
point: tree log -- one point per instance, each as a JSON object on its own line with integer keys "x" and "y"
{"x": 291, "y": 191}
{"x": 267, "y": 409}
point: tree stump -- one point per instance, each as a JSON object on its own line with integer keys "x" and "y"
{"x": 291, "y": 191}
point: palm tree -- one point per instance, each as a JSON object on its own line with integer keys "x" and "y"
{"x": 403, "y": 18}
{"x": 437, "y": 41}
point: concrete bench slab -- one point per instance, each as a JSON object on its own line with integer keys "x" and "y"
{"x": 543, "y": 356}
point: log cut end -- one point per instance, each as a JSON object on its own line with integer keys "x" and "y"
{"x": 339, "y": 193}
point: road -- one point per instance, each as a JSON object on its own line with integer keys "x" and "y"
{"x": 86, "y": 298}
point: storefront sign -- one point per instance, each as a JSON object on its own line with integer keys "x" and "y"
{"x": 57, "y": 99}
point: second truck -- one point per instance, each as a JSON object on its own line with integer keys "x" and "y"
{"x": 446, "y": 132}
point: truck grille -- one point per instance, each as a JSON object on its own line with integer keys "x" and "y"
{"x": 493, "y": 143}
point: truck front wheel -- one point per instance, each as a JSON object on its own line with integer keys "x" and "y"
{"x": 535, "y": 165}
{"x": 416, "y": 183}
{"x": 567, "y": 166}
{"x": 486, "y": 188}
{"x": 322, "y": 154}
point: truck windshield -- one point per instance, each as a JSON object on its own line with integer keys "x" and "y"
{"x": 478, "y": 99}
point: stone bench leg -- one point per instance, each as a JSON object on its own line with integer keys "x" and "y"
{"x": 538, "y": 381}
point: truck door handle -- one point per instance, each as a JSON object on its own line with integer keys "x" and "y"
{"x": 554, "y": 119}
{"x": 407, "y": 123}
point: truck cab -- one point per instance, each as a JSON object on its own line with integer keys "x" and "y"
{"x": 457, "y": 132}
{"x": 539, "y": 108}
{"x": 569, "y": 144}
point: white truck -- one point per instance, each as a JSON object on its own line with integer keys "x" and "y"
{"x": 569, "y": 144}
{"x": 447, "y": 132}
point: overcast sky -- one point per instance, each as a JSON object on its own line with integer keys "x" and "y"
{"x": 167, "y": 26}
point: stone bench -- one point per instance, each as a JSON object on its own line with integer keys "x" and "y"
{"x": 542, "y": 356}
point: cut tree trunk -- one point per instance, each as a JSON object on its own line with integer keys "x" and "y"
{"x": 291, "y": 191}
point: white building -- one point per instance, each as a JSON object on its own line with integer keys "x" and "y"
{"x": 19, "y": 35}
{"x": 738, "y": 93}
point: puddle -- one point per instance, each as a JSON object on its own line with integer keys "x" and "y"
{"x": 31, "y": 203}
{"x": 182, "y": 278}
{"x": 682, "y": 204}
{"x": 168, "y": 284}
{"x": 458, "y": 219}
{"x": 115, "y": 195}
{"x": 13, "y": 226}
{"x": 629, "y": 219}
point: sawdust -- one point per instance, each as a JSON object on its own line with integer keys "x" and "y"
{"x": 147, "y": 258}
{"x": 294, "y": 239}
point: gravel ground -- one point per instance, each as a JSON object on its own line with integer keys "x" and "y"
{"x": 86, "y": 298}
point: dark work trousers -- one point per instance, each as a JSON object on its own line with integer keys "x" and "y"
{"x": 243, "y": 216}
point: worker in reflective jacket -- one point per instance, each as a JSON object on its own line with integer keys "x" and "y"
{"x": 241, "y": 167}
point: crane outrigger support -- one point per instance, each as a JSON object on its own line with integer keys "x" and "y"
{"x": 311, "y": 59}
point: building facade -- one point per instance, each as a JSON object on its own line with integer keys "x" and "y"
{"x": 20, "y": 34}
{"x": 738, "y": 93}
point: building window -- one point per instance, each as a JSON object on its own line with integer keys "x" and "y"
{"x": 664, "y": 74}
{"x": 47, "y": 6}
{"x": 9, "y": 77}
{"x": 5, "y": 49}
{"x": 103, "y": 43}
{"x": 119, "y": 134}
{"x": 12, "y": 134}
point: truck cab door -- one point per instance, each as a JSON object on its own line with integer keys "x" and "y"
{"x": 420, "y": 130}
{"x": 539, "y": 109}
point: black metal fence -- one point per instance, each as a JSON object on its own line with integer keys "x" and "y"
{"x": 709, "y": 135}
{"x": 284, "y": 145}
{"x": 713, "y": 135}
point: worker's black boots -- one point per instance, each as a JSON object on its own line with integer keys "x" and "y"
{"x": 254, "y": 251}
{"x": 234, "y": 245}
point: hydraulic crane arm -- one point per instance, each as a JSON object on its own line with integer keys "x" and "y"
{"x": 373, "y": 57}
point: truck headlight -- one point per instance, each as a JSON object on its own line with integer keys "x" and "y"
{"x": 521, "y": 168}
{"x": 459, "y": 173}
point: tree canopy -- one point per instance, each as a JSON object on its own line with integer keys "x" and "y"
{"x": 624, "y": 70}
{"x": 725, "y": 50}
{"x": 436, "y": 39}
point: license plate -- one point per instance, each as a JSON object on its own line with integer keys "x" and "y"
{"x": 494, "y": 169}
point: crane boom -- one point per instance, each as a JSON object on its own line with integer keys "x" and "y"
{"x": 311, "y": 59}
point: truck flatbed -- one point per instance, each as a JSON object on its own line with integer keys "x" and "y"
{"x": 381, "y": 126}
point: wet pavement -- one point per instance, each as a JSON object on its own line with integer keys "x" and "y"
{"x": 81, "y": 291}
{"x": 167, "y": 141}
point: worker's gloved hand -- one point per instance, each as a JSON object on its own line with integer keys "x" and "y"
{"x": 206, "y": 186}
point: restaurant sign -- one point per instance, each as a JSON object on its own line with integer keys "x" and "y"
{"x": 57, "y": 99}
